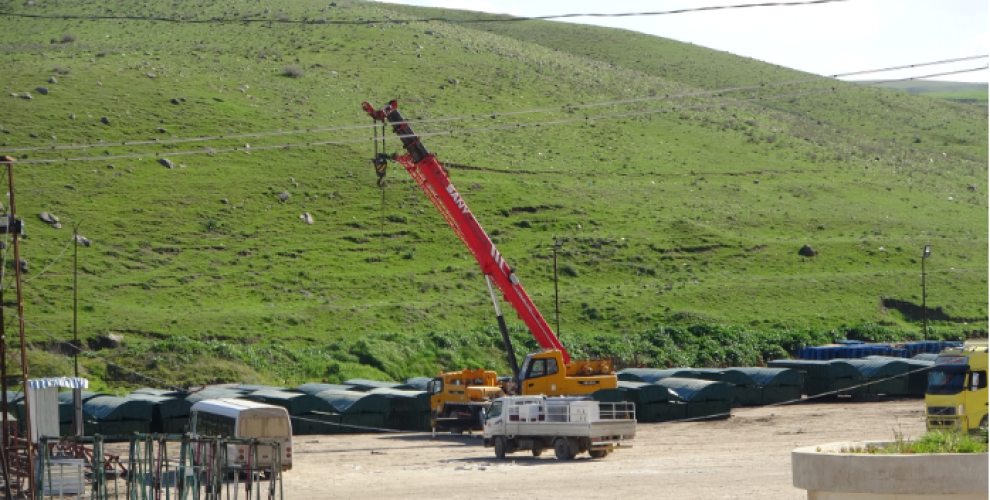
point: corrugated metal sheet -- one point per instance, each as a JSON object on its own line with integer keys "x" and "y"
{"x": 651, "y": 375}
{"x": 109, "y": 408}
{"x": 314, "y": 389}
{"x": 691, "y": 390}
{"x": 297, "y": 403}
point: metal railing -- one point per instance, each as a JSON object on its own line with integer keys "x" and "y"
{"x": 159, "y": 467}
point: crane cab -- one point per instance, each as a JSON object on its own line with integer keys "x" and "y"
{"x": 546, "y": 373}
{"x": 458, "y": 399}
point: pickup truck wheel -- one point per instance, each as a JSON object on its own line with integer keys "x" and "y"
{"x": 598, "y": 453}
{"x": 562, "y": 449}
{"x": 500, "y": 447}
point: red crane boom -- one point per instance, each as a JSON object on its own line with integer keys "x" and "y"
{"x": 433, "y": 180}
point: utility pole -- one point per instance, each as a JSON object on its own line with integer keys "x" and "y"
{"x": 77, "y": 418}
{"x": 15, "y": 226}
{"x": 924, "y": 289}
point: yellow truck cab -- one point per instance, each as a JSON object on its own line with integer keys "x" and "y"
{"x": 541, "y": 373}
{"x": 956, "y": 398}
{"x": 458, "y": 399}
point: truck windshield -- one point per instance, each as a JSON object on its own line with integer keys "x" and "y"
{"x": 946, "y": 382}
{"x": 495, "y": 410}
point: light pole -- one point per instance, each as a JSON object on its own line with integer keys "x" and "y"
{"x": 556, "y": 296}
{"x": 924, "y": 289}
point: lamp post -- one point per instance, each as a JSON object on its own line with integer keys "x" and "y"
{"x": 924, "y": 289}
{"x": 556, "y": 296}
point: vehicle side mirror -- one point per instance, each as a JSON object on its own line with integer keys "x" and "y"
{"x": 975, "y": 382}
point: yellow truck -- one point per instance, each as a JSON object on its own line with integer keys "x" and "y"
{"x": 956, "y": 398}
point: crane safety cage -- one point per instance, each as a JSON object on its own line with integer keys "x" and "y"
{"x": 158, "y": 466}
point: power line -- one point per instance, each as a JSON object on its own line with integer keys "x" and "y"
{"x": 91, "y": 354}
{"x": 319, "y": 21}
{"x": 51, "y": 263}
{"x": 212, "y": 151}
{"x": 489, "y": 115}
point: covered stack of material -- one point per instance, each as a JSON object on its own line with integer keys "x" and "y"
{"x": 650, "y": 375}
{"x": 360, "y": 384}
{"x": 314, "y": 389}
{"x": 745, "y": 390}
{"x": 117, "y": 417}
{"x": 65, "y": 410}
{"x": 654, "y": 403}
{"x": 160, "y": 392}
{"x": 215, "y": 393}
{"x": 823, "y": 376}
{"x": 255, "y": 388}
{"x": 925, "y": 357}
{"x": 408, "y": 410}
{"x": 296, "y": 403}
{"x": 351, "y": 412}
{"x": 416, "y": 383}
{"x": 776, "y": 384}
{"x": 170, "y": 414}
{"x": 702, "y": 397}
{"x": 894, "y": 377}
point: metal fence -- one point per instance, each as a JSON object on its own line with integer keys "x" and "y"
{"x": 159, "y": 467}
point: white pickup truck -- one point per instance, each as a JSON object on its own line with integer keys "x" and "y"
{"x": 568, "y": 425}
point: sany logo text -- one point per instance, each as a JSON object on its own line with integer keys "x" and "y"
{"x": 457, "y": 199}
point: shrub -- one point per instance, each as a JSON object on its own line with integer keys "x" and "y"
{"x": 293, "y": 71}
{"x": 68, "y": 38}
{"x": 62, "y": 70}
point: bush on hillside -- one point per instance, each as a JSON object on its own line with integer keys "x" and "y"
{"x": 293, "y": 71}
{"x": 68, "y": 38}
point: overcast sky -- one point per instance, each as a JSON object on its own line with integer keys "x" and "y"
{"x": 824, "y": 39}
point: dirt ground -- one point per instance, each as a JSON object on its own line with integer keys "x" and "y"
{"x": 746, "y": 456}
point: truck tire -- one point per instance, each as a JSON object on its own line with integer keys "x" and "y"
{"x": 500, "y": 447}
{"x": 598, "y": 453}
{"x": 563, "y": 449}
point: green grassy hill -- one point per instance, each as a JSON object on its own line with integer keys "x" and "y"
{"x": 693, "y": 216}
{"x": 961, "y": 92}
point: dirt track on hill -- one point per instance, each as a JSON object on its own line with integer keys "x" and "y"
{"x": 744, "y": 457}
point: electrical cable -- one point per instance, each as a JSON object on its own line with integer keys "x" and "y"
{"x": 91, "y": 354}
{"x": 488, "y": 115}
{"x": 418, "y": 20}
{"x": 51, "y": 263}
{"x": 213, "y": 151}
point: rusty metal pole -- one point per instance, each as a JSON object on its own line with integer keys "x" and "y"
{"x": 20, "y": 322}
{"x": 4, "y": 434}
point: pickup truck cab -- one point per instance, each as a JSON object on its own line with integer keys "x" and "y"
{"x": 569, "y": 426}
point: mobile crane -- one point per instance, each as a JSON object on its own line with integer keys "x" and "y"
{"x": 457, "y": 399}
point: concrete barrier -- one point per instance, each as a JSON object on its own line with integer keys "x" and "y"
{"x": 828, "y": 473}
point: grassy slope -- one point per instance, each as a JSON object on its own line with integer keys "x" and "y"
{"x": 680, "y": 217}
